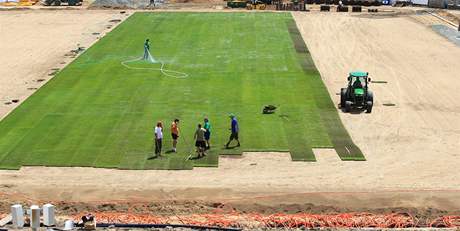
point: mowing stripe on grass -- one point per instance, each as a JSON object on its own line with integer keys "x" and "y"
{"x": 300, "y": 149}
{"x": 299, "y": 144}
{"x": 341, "y": 140}
{"x": 26, "y": 147}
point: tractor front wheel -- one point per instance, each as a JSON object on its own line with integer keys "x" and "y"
{"x": 347, "y": 106}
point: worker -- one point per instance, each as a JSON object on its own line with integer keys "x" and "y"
{"x": 207, "y": 134}
{"x": 174, "y": 133}
{"x": 357, "y": 84}
{"x": 146, "y": 49}
{"x": 200, "y": 142}
{"x": 234, "y": 129}
{"x": 158, "y": 138}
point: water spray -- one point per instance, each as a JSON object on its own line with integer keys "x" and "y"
{"x": 152, "y": 60}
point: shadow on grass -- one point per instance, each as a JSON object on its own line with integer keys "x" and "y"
{"x": 154, "y": 157}
{"x": 231, "y": 147}
{"x": 197, "y": 157}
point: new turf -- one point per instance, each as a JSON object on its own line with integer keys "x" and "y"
{"x": 98, "y": 113}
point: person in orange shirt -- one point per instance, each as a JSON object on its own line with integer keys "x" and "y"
{"x": 175, "y": 133}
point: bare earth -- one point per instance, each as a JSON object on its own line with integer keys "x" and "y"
{"x": 35, "y": 41}
{"x": 412, "y": 148}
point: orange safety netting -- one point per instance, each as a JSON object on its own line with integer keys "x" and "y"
{"x": 301, "y": 220}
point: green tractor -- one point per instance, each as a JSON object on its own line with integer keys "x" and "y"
{"x": 357, "y": 94}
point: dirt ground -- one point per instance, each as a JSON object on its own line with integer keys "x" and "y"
{"x": 412, "y": 148}
{"x": 33, "y": 42}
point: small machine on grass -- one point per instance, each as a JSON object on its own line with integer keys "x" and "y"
{"x": 357, "y": 94}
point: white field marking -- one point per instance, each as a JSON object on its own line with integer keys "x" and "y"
{"x": 348, "y": 150}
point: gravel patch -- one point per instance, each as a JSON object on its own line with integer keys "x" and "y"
{"x": 122, "y": 4}
{"x": 448, "y": 32}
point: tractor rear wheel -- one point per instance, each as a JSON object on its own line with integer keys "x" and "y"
{"x": 370, "y": 96}
{"x": 343, "y": 97}
{"x": 369, "y": 101}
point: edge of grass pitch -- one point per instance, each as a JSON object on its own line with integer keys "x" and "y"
{"x": 341, "y": 140}
{"x": 300, "y": 147}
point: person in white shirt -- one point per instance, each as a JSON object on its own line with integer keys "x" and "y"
{"x": 158, "y": 138}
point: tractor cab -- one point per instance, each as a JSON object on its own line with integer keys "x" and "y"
{"x": 357, "y": 94}
{"x": 359, "y": 81}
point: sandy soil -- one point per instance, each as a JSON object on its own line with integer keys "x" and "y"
{"x": 35, "y": 41}
{"x": 417, "y": 140}
{"x": 412, "y": 149}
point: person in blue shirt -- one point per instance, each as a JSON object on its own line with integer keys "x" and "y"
{"x": 235, "y": 128}
{"x": 146, "y": 49}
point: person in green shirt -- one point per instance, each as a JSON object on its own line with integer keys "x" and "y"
{"x": 146, "y": 49}
{"x": 207, "y": 134}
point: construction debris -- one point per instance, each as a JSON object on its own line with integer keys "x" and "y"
{"x": 6, "y": 220}
{"x": 121, "y": 4}
{"x": 18, "y": 2}
{"x": 448, "y": 32}
{"x": 59, "y": 2}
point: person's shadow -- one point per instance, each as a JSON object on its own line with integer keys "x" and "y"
{"x": 153, "y": 157}
{"x": 196, "y": 157}
{"x": 231, "y": 147}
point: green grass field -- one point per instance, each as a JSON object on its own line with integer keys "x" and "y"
{"x": 99, "y": 113}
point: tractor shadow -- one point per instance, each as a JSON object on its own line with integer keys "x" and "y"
{"x": 352, "y": 112}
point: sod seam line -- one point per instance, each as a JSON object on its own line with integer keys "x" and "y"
{"x": 327, "y": 116}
